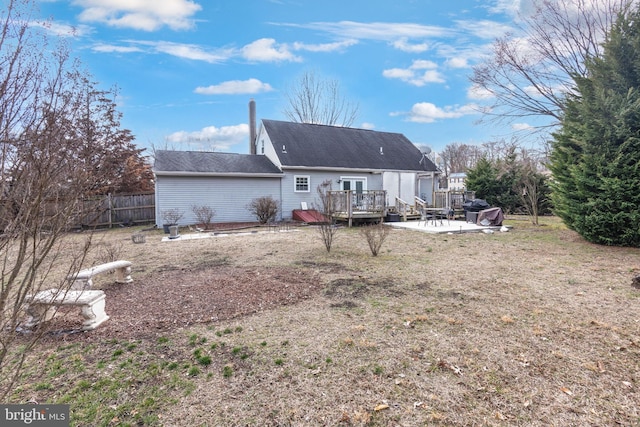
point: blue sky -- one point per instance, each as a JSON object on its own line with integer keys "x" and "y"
{"x": 186, "y": 69}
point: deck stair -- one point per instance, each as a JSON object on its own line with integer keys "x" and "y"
{"x": 407, "y": 211}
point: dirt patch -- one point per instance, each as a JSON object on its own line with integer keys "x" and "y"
{"x": 177, "y": 298}
{"x": 359, "y": 287}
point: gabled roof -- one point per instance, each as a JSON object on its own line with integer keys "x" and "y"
{"x": 169, "y": 162}
{"x": 322, "y": 146}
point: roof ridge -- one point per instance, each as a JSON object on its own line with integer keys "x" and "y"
{"x": 202, "y": 152}
{"x": 331, "y": 126}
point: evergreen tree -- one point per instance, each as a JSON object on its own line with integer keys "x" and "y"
{"x": 596, "y": 154}
{"x": 509, "y": 185}
{"x": 483, "y": 180}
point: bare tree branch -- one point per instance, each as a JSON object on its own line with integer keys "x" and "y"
{"x": 46, "y": 170}
{"x": 529, "y": 73}
{"x": 317, "y": 101}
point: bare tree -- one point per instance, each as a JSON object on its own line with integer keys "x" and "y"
{"x": 529, "y": 72}
{"x": 319, "y": 101}
{"x": 457, "y": 157}
{"x": 43, "y": 175}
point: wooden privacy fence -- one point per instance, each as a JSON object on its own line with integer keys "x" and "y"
{"x": 122, "y": 209}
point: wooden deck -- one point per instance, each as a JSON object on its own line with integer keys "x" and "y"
{"x": 350, "y": 206}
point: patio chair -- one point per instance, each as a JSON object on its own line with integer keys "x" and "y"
{"x": 425, "y": 216}
{"x": 441, "y": 215}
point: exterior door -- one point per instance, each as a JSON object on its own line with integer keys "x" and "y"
{"x": 359, "y": 185}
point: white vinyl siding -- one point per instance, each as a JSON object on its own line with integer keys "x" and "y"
{"x": 292, "y": 200}
{"x": 229, "y": 196}
{"x": 400, "y": 184}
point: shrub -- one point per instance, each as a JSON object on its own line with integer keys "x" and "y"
{"x": 328, "y": 229}
{"x": 204, "y": 214}
{"x": 265, "y": 209}
{"x": 375, "y": 235}
{"x": 172, "y": 216}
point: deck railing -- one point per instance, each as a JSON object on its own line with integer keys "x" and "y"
{"x": 452, "y": 199}
{"x": 365, "y": 201}
{"x": 402, "y": 208}
{"x": 349, "y": 203}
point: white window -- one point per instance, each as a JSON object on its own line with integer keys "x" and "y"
{"x": 302, "y": 183}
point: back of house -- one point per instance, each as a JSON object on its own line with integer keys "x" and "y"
{"x": 291, "y": 160}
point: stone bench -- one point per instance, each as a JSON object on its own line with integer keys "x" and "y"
{"x": 44, "y": 305}
{"x": 83, "y": 279}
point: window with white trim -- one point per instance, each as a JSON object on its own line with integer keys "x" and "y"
{"x": 301, "y": 183}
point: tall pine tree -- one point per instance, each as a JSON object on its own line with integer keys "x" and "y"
{"x": 596, "y": 154}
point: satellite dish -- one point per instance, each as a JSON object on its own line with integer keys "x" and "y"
{"x": 424, "y": 149}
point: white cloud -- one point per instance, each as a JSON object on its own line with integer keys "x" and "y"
{"x": 463, "y": 55}
{"x": 458, "y": 62}
{"x": 109, "y": 48}
{"x": 367, "y": 125}
{"x": 387, "y": 31}
{"x": 211, "y": 137}
{"x": 485, "y": 29}
{"x": 418, "y": 74}
{"x": 398, "y": 73}
{"x": 145, "y": 15}
{"x": 478, "y": 93}
{"x": 518, "y": 8}
{"x": 404, "y": 45}
{"x": 426, "y": 112}
{"x": 521, "y": 126}
{"x": 267, "y": 50}
{"x": 186, "y": 51}
{"x": 234, "y": 87}
{"x": 510, "y": 7}
{"x": 61, "y": 30}
{"x": 422, "y": 64}
{"x": 324, "y": 47}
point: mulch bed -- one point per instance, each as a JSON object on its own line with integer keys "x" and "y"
{"x": 179, "y": 298}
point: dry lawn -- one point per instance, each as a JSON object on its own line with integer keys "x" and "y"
{"x": 533, "y": 327}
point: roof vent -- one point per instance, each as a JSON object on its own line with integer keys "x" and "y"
{"x": 284, "y": 149}
{"x": 381, "y": 152}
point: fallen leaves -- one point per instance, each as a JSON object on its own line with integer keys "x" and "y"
{"x": 597, "y": 367}
{"x": 410, "y": 322}
{"x": 507, "y": 319}
{"x": 523, "y": 361}
{"x": 443, "y": 364}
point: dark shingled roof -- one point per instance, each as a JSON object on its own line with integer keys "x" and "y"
{"x": 312, "y": 145}
{"x": 206, "y": 162}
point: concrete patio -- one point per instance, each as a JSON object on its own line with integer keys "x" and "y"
{"x": 446, "y": 226}
{"x": 207, "y": 235}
